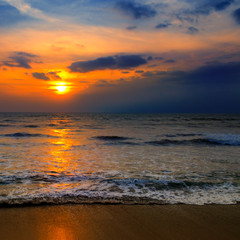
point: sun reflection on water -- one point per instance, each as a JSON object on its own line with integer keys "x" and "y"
{"x": 59, "y": 151}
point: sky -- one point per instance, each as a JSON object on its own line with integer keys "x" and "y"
{"x": 166, "y": 56}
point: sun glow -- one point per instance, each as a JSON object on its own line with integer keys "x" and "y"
{"x": 61, "y": 89}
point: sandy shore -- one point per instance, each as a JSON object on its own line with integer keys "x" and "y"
{"x": 110, "y": 222}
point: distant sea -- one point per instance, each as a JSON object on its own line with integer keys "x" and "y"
{"x": 56, "y": 158}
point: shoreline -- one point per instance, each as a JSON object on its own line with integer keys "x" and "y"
{"x": 93, "y": 203}
{"x": 118, "y": 221}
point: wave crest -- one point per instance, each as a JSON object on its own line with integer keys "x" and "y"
{"x": 25, "y": 135}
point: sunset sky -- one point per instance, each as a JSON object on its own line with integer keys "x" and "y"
{"x": 120, "y": 55}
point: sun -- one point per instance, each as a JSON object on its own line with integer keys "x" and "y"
{"x": 61, "y": 89}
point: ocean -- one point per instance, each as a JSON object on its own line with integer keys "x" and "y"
{"x": 58, "y": 158}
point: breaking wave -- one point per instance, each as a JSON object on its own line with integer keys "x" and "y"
{"x": 96, "y": 189}
{"x": 211, "y": 139}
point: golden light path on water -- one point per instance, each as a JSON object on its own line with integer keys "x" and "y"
{"x": 59, "y": 151}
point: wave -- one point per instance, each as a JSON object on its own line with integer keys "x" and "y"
{"x": 207, "y": 119}
{"x": 224, "y": 139}
{"x": 165, "y": 142}
{"x": 126, "y": 191}
{"x": 178, "y": 139}
{"x": 52, "y": 125}
{"x": 54, "y": 177}
{"x": 219, "y": 119}
{"x": 31, "y": 126}
{"x": 111, "y": 138}
{"x": 6, "y": 125}
{"x": 119, "y": 143}
{"x": 183, "y": 135}
{"x": 46, "y": 178}
{"x": 8, "y": 120}
{"x": 116, "y": 140}
{"x": 26, "y": 135}
{"x": 210, "y": 139}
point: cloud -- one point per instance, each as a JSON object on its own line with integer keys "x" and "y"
{"x": 159, "y": 58}
{"x": 236, "y": 15}
{"x": 20, "y": 59}
{"x": 136, "y": 10}
{"x": 26, "y": 9}
{"x": 54, "y": 75}
{"x": 131, "y": 27}
{"x": 163, "y": 25}
{"x": 10, "y": 15}
{"x": 211, "y": 75}
{"x": 192, "y": 30}
{"x": 222, "y": 5}
{"x": 215, "y": 74}
{"x": 204, "y": 7}
{"x": 112, "y": 62}
{"x": 102, "y": 83}
{"x": 40, "y": 76}
{"x": 170, "y": 61}
{"x": 206, "y": 89}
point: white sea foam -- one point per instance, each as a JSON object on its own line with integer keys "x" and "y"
{"x": 135, "y": 191}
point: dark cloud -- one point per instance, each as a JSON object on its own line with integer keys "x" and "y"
{"x": 25, "y": 54}
{"x": 212, "y": 75}
{"x": 163, "y": 25}
{"x": 159, "y": 58}
{"x": 129, "y": 61}
{"x": 136, "y": 10}
{"x": 102, "y": 83}
{"x": 222, "y": 5}
{"x": 192, "y": 30}
{"x": 10, "y": 15}
{"x": 20, "y": 59}
{"x": 112, "y": 62}
{"x": 170, "y": 61}
{"x": 236, "y": 15}
{"x": 54, "y": 75}
{"x": 97, "y": 64}
{"x": 212, "y": 62}
{"x": 131, "y": 27}
{"x": 215, "y": 74}
{"x": 172, "y": 75}
{"x": 203, "y": 7}
{"x": 206, "y": 6}
{"x": 139, "y": 71}
{"x": 207, "y": 89}
{"x": 40, "y": 76}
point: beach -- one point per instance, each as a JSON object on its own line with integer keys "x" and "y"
{"x": 99, "y": 221}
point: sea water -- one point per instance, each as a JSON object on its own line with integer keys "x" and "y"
{"x": 56, "y": 158}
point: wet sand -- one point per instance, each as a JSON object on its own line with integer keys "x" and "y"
{"x": 110, "y": 222}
